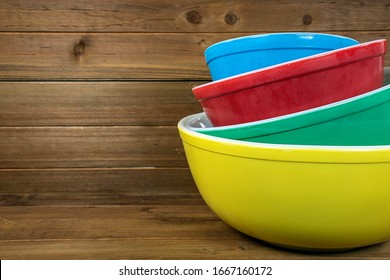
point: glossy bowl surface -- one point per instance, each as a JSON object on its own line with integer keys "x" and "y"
{"x": 307, "y": 197}
{"x": 360, "y": 120}
{"x": 243, "y": 54}
{"x": 294, "y": 86}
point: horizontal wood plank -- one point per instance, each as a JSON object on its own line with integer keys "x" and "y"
{"x": 118, "y": 56}
{"x": 102, "y": 56}
{"x": 71, "y": 200}
{"x": 95, "y": 103}
{"x": 140, "y": 232}
{"x": 160, "y": 248}
{"x": 74, "y": 182}
{"x": 193, "y": 16}
{"x": 72, "y": 147}
{"x": 145, "y": 221}
{"x": 106, "y": 186}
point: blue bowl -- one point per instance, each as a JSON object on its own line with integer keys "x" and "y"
{"x": 243, "y": 54}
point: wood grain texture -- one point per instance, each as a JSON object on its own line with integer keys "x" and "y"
{"x": 193, "y": 16}
{"x": 95, "y": 103}
{"x": 109, "y": 200}
{"x": 31, "y": 223}
{"x": 116, "y": 56}
{"x": 179, "y": 248}
{"x": 94, "y": 186}
{"x": 102, "y": 56}
{"x": 91, "y": 162}
{"x": 54, "y": 147}
{"x": 140, "y": 232}
{"x": 138, "y": 181}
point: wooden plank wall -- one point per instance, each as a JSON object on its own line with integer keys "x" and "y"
{"x": 91, "y": 91}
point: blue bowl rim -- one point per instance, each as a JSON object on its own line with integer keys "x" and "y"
{"x": 274, "y": 41}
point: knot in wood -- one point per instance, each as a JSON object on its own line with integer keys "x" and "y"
{"x": 202, "y": 42}
{"x": 242, "y": 248}
{"x": 79, "y": 48}
{"x": 307, "y": 19}
{"x": 231, "y": 18}
{"x": 194, "y": 17}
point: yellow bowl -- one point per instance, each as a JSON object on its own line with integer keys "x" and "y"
{"x": 308, "y": 197}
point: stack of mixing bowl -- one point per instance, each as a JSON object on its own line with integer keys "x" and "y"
{"x": 293, "y": 146}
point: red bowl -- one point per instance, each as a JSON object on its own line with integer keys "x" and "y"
{"x": 295, "y": 85}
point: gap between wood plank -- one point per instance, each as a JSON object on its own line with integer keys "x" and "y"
{"x": 192, "y": 32}
{"x": 102, "y": 80}
{"x": 93, "y": 168}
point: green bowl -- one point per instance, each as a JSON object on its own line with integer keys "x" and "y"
{"x": 358, "y": 121}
